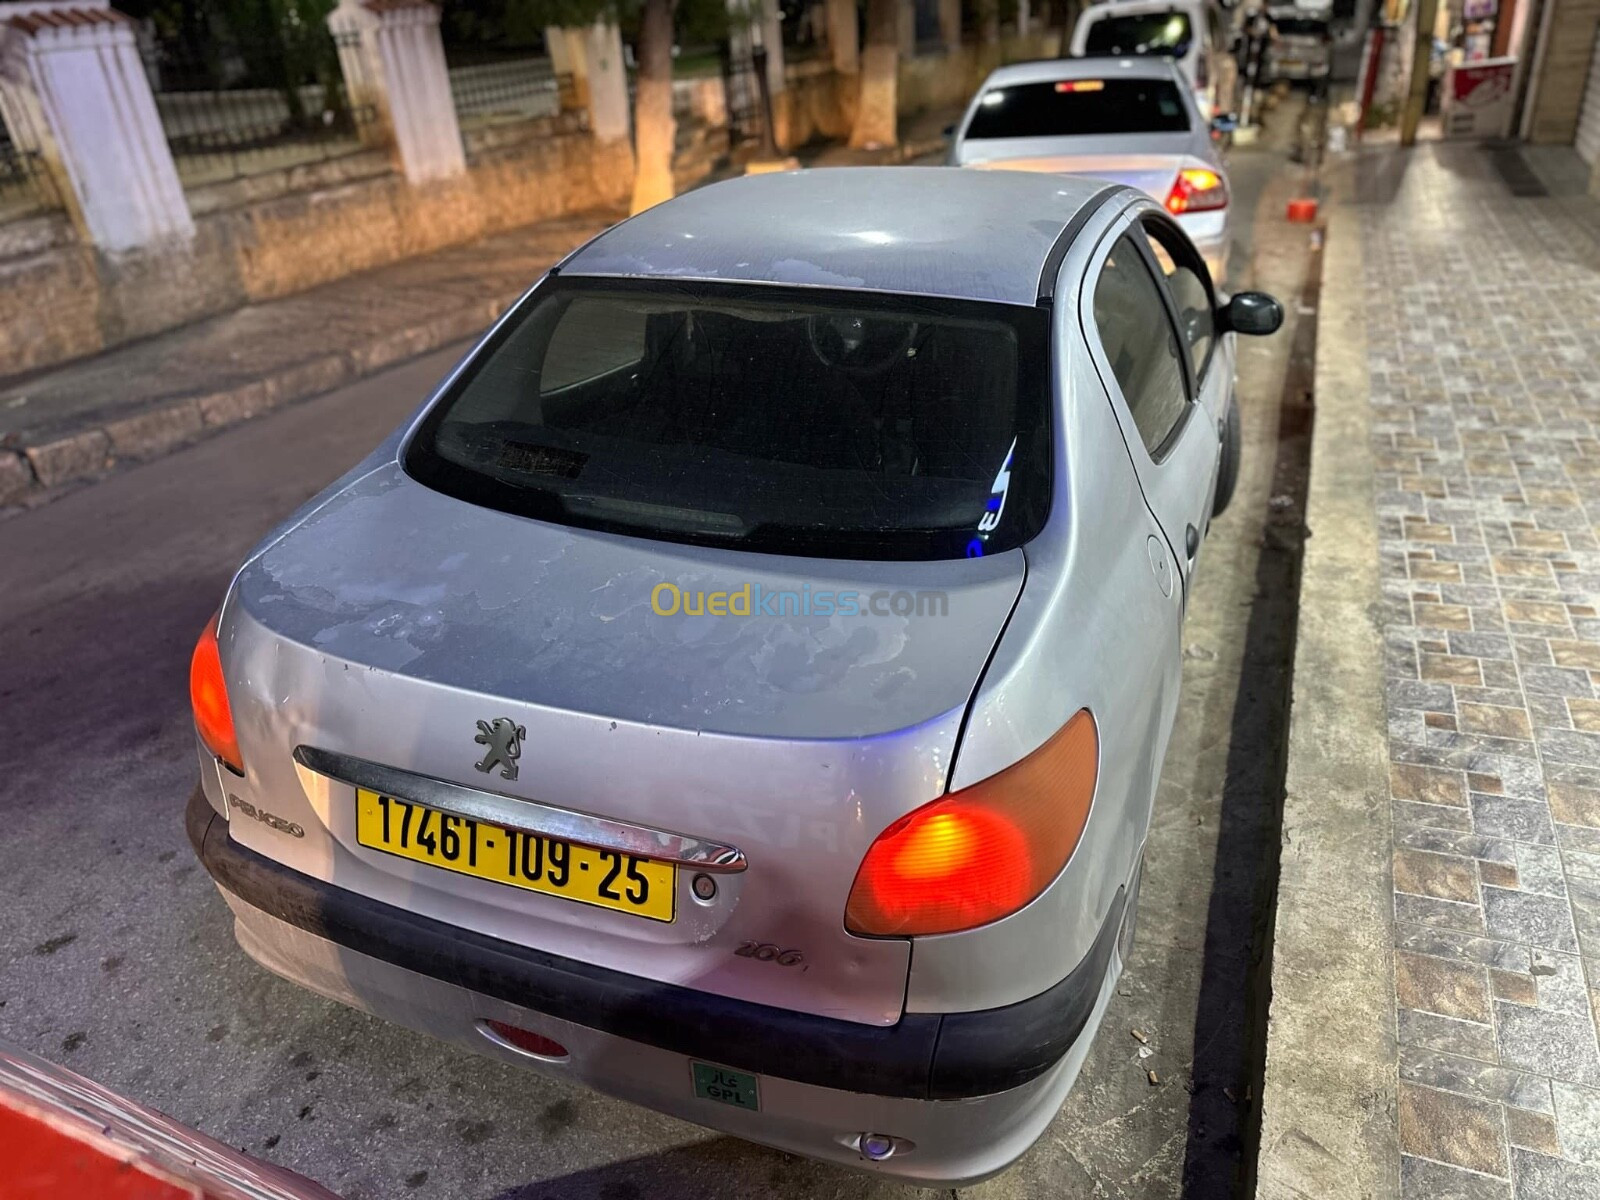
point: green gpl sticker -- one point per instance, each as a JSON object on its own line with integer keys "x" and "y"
{"x": 726, "y": 1087}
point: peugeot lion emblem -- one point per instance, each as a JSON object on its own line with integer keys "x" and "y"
{"x": 504, "y": 739}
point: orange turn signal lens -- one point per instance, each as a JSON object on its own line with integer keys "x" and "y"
{"x": 208, "y": 694}
{"x": 984, "y": 852}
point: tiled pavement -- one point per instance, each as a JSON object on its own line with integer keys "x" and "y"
{"x": 1484, "y": 357}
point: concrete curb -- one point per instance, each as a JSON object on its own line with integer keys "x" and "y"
{"x": 1329, "y": 1096}
{"x": 34, "y": 471}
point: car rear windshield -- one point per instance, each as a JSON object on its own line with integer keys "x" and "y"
{"x": 1079, "y": 107}
{"x": 1147, "y": 33}
{"x": 782, "y": 420}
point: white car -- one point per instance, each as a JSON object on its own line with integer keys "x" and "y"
{"x": 1188, "y": 32}
{"x": 1132, "y": 121}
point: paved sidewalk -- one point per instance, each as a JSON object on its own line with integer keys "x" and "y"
{"x": 77, "y": 422}
{"x": 1482, "y": 366}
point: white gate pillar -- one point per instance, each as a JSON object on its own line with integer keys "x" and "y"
{"x": 393, "y": 59}
{"x": 606, "y": 77}
{"x": 81, "y": 96}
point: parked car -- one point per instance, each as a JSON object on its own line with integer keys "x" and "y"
{"x": 742, "y": 686}
{"x": 1129, "y": 120}
{"x": 1303, "y": 48}
{"x": 1189, "y": 32}
{"x": 65, "y": 1137}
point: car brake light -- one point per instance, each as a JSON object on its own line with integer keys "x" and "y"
{"x": 208, "y": 694}
{"x": 1081, "y": 85}
{"x": 984, "y": 852}
{"x": 1197, "y": 189}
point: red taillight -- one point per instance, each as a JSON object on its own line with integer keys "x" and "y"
{"x": 1081, "y": 85}
{"x": 984, "y": 852}
{"x": 1197, "y": 189}
{"x": 213, "y": 719}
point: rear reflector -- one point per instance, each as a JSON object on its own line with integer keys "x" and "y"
{"x": 1197, "y": 189}
{"x": 208, "y": 694}
{"x": 526, "y": 1040}
{"x": 1081, "y": 85}
{"x": 984, "y": 852}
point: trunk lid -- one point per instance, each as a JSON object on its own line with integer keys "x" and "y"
{"x": 1148, "y": 162}
{"x": 794, "y": 738}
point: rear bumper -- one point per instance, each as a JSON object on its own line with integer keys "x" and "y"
{"x": 929, "y": 1056}
{"x": 970, "y": 1090}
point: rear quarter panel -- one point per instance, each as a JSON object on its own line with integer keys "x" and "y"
{"x": 1091, "y": 629}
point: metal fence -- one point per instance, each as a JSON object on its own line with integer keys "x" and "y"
{"x": 508, "y": 89}
{"x": 805, "y": 29}
{"x": 742, "y": 95}
{"x": 26, "y": 186}
{"x": 234, "y": 107}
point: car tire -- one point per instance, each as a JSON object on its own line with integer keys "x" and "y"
{"x": 1228, "y": 469}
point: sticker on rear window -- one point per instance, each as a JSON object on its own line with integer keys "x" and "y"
{"x": 541, "y": 460}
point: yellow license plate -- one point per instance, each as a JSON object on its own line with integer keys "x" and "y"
{"x": 607, "y": 878}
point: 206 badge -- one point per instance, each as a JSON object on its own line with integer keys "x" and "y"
{"x": 504, "y": 737}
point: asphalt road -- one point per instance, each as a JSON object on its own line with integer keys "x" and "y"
{"x": 117, "y": 957}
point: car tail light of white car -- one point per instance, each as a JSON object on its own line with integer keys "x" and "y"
{"x": 1197, "y": 189}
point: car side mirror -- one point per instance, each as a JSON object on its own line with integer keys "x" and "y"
{"x": 1253, "y": 314}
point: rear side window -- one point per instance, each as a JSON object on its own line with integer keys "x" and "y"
{"x": 1192, "y": 297}
{"x": 1079, "y": 107}
{"x": 785, "y": 421}
{"x": 1166, "y": 33}
{"x": 1141, "y": 344}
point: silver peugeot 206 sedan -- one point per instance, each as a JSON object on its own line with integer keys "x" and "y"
{"x": 741, "y": 687}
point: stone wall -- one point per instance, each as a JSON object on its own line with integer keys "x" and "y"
{"x": 255, "y": 240}
{"x": 275, "y": 234}
{"x": 819, "y": 104}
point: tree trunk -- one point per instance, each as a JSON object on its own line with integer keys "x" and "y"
{"x": 989, "y": 22}
{"x": 844, "y": 36}
{"x": 875, "y": 107}
{"x": 653, "y": 126}
{"x": 1069, "y": 21}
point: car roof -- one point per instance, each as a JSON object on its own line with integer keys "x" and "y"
{"x": 1116, "y": 8}
{"x": 928, "y": 231}
{"x": 1144, "y": 66}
